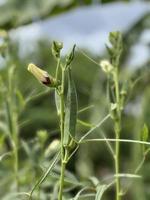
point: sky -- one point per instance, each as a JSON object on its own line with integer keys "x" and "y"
{"x": 88, "y": 27}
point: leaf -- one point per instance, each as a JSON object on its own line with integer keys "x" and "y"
{"x": 3, "y": 156}
{"x": 55, "y": 191}
{"x": 8, "y": 116}
{"x": 100, "y": 191}
{"x": 83, "y": 123}
{"x": 70, "y": 57}
{"x": 115, "y": 50}
{"x": 57, "y": 102}
{"x": 80, "y": 192}
{"x": 20, "y": 102}
{"x": 85, "y": 108}
{"x": 43, "y": 177}
{"x": 71, "y": 111}
{"x": 144, "y": 133}
{"x": 94, "y": 180}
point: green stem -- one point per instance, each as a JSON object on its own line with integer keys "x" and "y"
{"x": 117, "y": 154}
{"x": 13, "y": 130}
{"x": 117, "y": 133}
{"x": 57, "y": 69}
{"x": 13, "y": 122}
{"x": 63, "y": 164}
{"x": 15, "y": 148}
{"x": 63, "y": 167}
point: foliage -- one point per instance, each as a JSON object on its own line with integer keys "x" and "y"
{"x": 29, "y": 123}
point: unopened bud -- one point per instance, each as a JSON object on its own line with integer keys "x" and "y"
{"x": 42, "y": 76}
{"x": 106, "y": 66}
{"x": 70, "y": 57}
{"x": 42, "y": 135}
{"x": 52, "y": 148}
{"x": 113, "y": 110}
{"x": 56, "y": 48}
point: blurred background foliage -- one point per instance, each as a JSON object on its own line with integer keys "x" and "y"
{"x": 34, "y": 106}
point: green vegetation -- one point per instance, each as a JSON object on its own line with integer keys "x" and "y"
{"x": 81, "y": 130}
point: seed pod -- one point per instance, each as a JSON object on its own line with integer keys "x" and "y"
{"x": 42, "y": 76}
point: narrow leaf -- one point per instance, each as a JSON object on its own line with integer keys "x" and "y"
{"x": 83, "y": 123}
{"x": 144, "y": 133}
{"x": 71, "y": 111}
{"x": 43, "y": 177}
{"x": 20, "y": 102}
{"x": 100, "y": 191}
{"x": 80, "y": 192}
{"x": 57, "y": 102}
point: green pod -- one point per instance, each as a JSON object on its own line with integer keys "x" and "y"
{"x": 70, "y": 111}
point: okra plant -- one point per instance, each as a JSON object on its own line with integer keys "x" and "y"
{"x": 67, "y": 111}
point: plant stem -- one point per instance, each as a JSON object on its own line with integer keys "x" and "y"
{"x": 63, "y": 164}
{"x": 63, "y": 167}
{"x": 57, "y": 69}
{"x": 13, "y": 129}
{"x": 117, "y": 133}
{"x": 15, "y": 148}
{"x": 117, "y": 153}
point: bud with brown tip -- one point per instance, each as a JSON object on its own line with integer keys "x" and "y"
{"x": 42, "y": 76}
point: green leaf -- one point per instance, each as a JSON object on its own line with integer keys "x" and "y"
{"x": 79, "y": 193}
{"x": 144, "y": 133}
{"x": 100, "y": 191}
{"x": 144, "y": 136}
{"x": 115, "y": 50}
{"x": 57, "y": 102}
{"x": 94, "y": 180}
{"x": 71, "y": 111}
{"x": 44, "y": 176}
{"x": 20, "y": 102}
{"x": 70, "y": 57}
{"x": 55, "y": 191}
{"x": 83, "y": 123}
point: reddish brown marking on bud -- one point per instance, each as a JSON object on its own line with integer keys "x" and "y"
{"x": 47, "y": 81}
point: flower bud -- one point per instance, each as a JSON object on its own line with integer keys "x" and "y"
{"x": 106, "y": 66}
{"x": 56, "y": 48}
{"x": 52, "y": 148}
{"x": 42, "y": 76}
{"x": 113, "y": 110}
{"x": 70, "y": 57}
{"x": 42, "y": 135}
